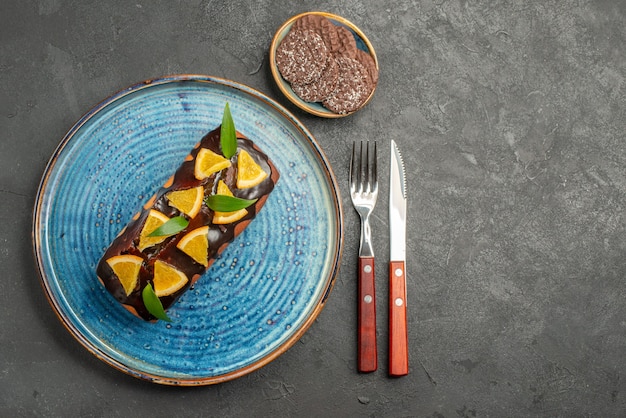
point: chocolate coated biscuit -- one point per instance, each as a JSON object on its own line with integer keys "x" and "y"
{"x": 347, "y": 43}
{"x": 353, "y": 87}
{"x": 309, "y": 21}
{"x": 301, "y": 56}
{"x": 323, "y": 27}
{"x": 369, "y": 63}
{"x": 319, "y": 89}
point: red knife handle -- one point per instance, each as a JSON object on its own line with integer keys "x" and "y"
{"x": 367, "y": 353}
{"x": 398, "y": 337}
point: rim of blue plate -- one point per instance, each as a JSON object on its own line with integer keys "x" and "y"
{"x": 73, "y": 329}
{"x": 317, "y": 109}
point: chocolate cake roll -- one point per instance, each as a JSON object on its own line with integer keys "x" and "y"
{"x": 177, "y": 235}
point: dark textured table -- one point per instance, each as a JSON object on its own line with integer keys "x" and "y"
{"x": 511, "y": 116}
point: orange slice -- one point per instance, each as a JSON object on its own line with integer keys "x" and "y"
{"x": 155, "y": 219}
{"x": 187, "y": 201}
{"x": 249, "y": 173}
{"x": 208, "y": 162}
{"x": 223, "y": 218}
{"x": 126, "y": 268}
{"x": 196, "y": 245}
{"x": 167, "y": 279}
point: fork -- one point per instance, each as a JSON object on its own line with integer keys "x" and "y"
{"x": 364, "y": 191}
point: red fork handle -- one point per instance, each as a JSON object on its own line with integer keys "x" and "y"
{"x": 398, "y": 337}
{"x": 367, "y": 352}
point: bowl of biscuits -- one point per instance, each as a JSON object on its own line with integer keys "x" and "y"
{"x": 324, "y": 64}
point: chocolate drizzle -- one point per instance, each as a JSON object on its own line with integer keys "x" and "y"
{"x": 219, "y": 236}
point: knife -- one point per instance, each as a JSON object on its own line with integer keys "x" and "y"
{"x": 398, "y": 337}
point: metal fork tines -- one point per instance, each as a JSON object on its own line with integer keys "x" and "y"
{"x": 364, "y": 191}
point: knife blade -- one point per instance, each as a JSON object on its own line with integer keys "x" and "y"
{"x": 398, "y": 335}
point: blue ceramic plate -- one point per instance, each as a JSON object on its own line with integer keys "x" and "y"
{"x": 263, "y": 292}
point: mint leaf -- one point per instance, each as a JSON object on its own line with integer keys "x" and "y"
{"x": 171, "y": 227}
{"x": 228, "y": 134}
{"x": 153, "y": 303}
{"x": 224, "y": 203}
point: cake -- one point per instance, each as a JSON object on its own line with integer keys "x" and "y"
{"x": 167, "y": 246}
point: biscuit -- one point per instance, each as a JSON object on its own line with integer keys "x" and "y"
{"x": 369, "y": 63}
{"x": 309, "y": 21}
{"x": 319, "y": 89}
{"x": 353, "y": 87}
{"x": 301, "y": 56}
{"x": 347, "y": 43}
{"x": 323, "y": 27}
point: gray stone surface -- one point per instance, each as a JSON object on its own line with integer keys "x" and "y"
{"x": 511, "y": 116}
